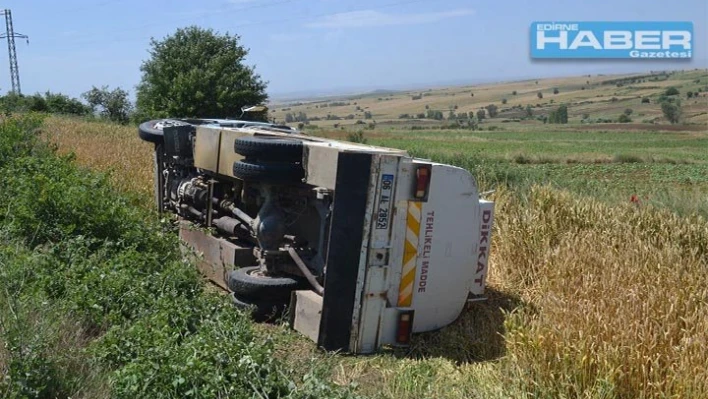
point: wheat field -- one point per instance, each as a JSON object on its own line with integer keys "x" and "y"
{"x": 587, "y": 299}
{"x": 110, "y": 148}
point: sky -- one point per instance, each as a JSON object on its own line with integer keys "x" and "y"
{"x": 310, "y": 47}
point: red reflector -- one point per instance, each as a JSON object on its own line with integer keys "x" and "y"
{"x": 405, "y": 327}
{"x": 422, "y": 181}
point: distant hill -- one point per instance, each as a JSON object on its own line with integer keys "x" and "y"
{"x": 595, "y": 98}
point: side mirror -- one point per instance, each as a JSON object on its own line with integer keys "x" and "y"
{"x": 253, "y": 108}
{"x": 255, "y": 112}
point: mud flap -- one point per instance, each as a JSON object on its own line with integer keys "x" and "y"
{"x": 344, "y": 252}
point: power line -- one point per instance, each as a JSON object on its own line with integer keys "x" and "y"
{"x": 10, "y": 35}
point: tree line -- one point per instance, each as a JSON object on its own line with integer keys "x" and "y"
{"x": 113, "y": 105}
{"x": 193, "y": 73}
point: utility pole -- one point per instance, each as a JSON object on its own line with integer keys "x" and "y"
{"x": 12, "y": 54}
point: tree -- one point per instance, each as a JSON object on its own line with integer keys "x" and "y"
{"x": 432, "y": 114}
{"x": 113, "y": 104}
{"x": 492, "y": 110}
{"x": 646, "y": 100}
{"x": 624, "y": 118}
{"x": 198, "y": 73}
{"x": 513, "y": 93}
{"x": 555, "y": 90}
{"x": 481, "y": 114}
{"x": 367, "y": 115}
{"x": 357, "y": 137}
{"x": 63, "y": 104}
{"x": 671, "y": 91}
{"x": 471, "y": 94}
{"x": 503, "y": 100}
{"x": 689, "y": 94}
{"x": 671, "y": 110}
{"x": 12, "y": 102}
{"x": 37, "y": 103}
{"x": 529, "y": 111}
{"x": 560, "y": 115}
{"x": 539, "y": 95}
{"x": 628, "y": 111}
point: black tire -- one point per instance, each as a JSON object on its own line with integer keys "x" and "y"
{"x": 264, "y": 310}
{"x": 267, "y": 148}
{"x": 148, "y": 132}
{"x": 248, "y": 283}
{"x": 269, "y": 172}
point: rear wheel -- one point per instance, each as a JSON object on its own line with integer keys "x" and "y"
{"x": 269, "y": 172}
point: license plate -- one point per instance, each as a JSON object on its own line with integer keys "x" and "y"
{"x": 382, "y": 216}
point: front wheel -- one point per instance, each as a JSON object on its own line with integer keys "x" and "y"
{"x": 249, "y": 282}
{"x": 267, "y": 148}
{"x": 152, "y": 130}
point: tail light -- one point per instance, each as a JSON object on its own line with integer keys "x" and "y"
{"x": 422, "y": 181}
{"x": 405, "y": 327}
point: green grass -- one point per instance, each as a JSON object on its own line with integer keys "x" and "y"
{"x": 663, "y": 169}
{"x": 558, "y": 145}
{"x": 96, "y": 300}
